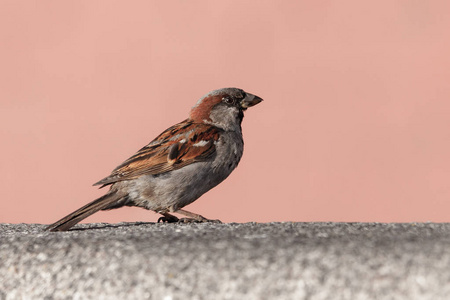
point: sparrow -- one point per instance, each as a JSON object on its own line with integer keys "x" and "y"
{"x": 179, "y": 165}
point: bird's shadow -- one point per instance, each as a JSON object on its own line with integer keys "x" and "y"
{"x": 98, "y": 227}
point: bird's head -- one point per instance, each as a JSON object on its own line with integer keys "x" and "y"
{"x": 223, "y": 108}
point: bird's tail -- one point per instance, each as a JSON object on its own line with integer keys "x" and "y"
{"x": 84, "y": 212}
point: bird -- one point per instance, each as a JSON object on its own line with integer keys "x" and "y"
{"x": 181, "y": 164}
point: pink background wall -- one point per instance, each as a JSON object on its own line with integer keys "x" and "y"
{"x": 355, "y": 125}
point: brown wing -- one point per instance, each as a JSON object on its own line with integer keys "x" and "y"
{"x": 178, "y": 146}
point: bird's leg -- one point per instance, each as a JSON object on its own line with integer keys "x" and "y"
{"x": 168, "y": 218}
{"x": 193, "y": 217}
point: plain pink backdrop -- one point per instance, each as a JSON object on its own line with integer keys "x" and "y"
{"x": 355, "y": 125}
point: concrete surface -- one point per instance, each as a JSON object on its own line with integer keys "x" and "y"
{"x": 226, "y": 261}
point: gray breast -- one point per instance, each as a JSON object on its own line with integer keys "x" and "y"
{"x": 181, "y": 187}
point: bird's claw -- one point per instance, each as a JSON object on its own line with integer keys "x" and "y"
{"x": 168, "y": 219}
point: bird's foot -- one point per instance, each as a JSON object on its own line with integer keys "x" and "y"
{"x": 188, "y": 220}
{"x": 168, "y": 218}
{"x": 193, "y": 218}
{"x": 213, "y": 221}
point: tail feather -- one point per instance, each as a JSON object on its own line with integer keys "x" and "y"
{"x": 84, "y": 212}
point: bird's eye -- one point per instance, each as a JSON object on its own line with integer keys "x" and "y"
{"x": 228, "y": 100}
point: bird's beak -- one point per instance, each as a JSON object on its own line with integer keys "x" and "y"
{"x": 250, "y": 100}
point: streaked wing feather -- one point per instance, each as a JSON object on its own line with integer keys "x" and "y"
{"x": 159, "y": 156}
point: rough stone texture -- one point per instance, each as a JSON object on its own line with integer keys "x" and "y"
{"x": 226, "y": 261}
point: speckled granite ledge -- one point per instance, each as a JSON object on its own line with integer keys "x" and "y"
{"x": 226, "y": 261}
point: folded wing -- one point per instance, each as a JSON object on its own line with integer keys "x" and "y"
{"x": 180, "y": 145}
